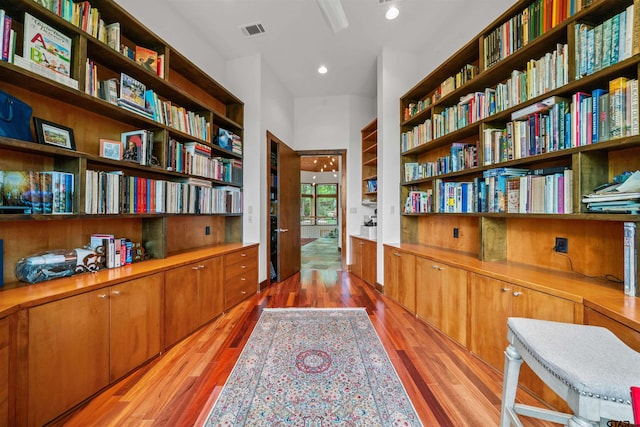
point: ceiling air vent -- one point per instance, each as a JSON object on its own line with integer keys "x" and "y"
{"x": 252, "y": 30}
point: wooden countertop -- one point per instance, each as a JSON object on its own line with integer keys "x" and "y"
{"x": 357, "y": 236}
{"x": 15, "y": 298}
{"x": 599, "y": 294}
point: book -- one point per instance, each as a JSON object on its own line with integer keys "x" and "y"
{"x": 537, "y": 107}
{"x": 6, "y": 37}
{"x": 46, "y": 46}
{"x": 147, "y": 58}
{"x": 630, "y": 260}
{"x": 16, "y": 192}
{"x": 113, "y": 35}
{"x": 617, "y": 107}
{"x": 132, "y": 91}
{"x": 595, "y": 114}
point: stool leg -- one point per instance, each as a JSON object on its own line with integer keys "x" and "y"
{"x": 512, "y": 362}
{"x": 577, "y": 421}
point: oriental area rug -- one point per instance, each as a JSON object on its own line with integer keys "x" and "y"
{"x": 313, "y": 368}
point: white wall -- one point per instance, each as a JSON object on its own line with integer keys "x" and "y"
{"x": 397, "y": 73}
{"x": 267, "y": 106}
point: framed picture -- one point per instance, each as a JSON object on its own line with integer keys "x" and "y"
{"x": 54, "y": 134}
{"x": 111, "y": 149}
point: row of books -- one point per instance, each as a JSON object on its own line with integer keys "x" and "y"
{"x": 7, "y": 37}
{"x": 541, "y": 76}
{"x": 36, "y": 192}
{"x": 600, "y": 46}
{"x": 509, "y": 190}
{"x": 462, "y": 156}
{"x": 562, "y": 123}
{"x": 87, "y": 17}
{"x": 524, "y": 27}
{"x": 186, "y": 158}
{"x": 418, "y": 201}
{"x": 116, "y": 193}
{"x": 117, "y": 251}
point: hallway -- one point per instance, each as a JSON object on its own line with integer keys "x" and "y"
{"x": 321, "y": 254}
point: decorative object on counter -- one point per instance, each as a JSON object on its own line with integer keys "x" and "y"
{"x": 15, "y": 117}
{"x": 56, "y": 263}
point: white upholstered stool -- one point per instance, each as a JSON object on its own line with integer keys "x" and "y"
{"x": 587, "y": 366}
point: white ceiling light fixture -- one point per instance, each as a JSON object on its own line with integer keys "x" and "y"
{"x": 392, "y": 13}
{"x": 322, "y": 70}
{"x": 334, "y": 14}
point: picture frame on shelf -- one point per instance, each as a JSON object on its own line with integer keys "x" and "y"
{"x": 49, "y": 133}
{"x": 110, "y": 149}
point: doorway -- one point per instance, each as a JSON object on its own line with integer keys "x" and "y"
{"x": 322, "y": 209}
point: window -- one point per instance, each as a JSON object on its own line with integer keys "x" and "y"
{"x": 319, "y": 204}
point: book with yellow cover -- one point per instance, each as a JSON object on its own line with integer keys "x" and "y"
{"x": 147, "y": 58}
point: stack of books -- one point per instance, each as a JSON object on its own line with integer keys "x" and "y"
{"x": 620, "y": 196}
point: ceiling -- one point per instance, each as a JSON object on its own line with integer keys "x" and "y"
{"x": 322, "y": 163}
{"x": 297, "y": 39}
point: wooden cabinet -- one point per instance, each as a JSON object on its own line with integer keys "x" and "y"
{"x": 364, "y": 259}
{"x": 629, "y": 336}
{"x": 400, "y": 277}
{"x": 197, "y": 108}
{"x": 135, "y": 323}
{"x": 240, "y": 276}
{"x": 370, "y": 162}
{"x": 441, "y": 297}
{"x": 492, "y": 302}
{"x": 78, "y": 345}
{"x": 68, "y": 354}
{"x": 193, "y": 296}
{"x": 461, "y": 123}
{"x": 4, "y": 371}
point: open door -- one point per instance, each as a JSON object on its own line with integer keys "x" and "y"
{"x": 284, "y": 209}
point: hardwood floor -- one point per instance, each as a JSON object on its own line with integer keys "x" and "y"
{"x": 448, "y": 385}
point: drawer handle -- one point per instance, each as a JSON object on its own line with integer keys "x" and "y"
{"x": 396, "y": 254}
{"x": 102, "y": 296}
{"x": 243, "y": 279}
{"x": 116, "y": 292}
{"x": 435, "y": 267}
{"x": 517, "y": 294}
{"x": 243, "y": 292}
{"x": 243, "y": 266}
{"x": 195, "y": 268}
{"x": 505, "y": 289}
{"x": 243, "y": 255}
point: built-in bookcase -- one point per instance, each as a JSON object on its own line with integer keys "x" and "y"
{"x": 510, "y": 99}
{"x": 180, "y": 84}
{"x": 370, "y": 163}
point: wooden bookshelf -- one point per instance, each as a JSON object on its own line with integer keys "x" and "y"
{"x": 184, "y": 85}
{"x": 370, "y": 162}
{"x": 435, "y": 119}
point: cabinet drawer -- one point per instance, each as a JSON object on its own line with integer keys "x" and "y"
{"x": 230, "y": 271}
{"x": 240, "y": 287}
{"x": 246, "y": 256}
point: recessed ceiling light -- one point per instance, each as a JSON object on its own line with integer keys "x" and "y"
{"x": 322, "y": 69}
{"x": 392, "y": 13}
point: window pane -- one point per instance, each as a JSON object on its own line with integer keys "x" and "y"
{"x": 306, "y": 189}
{"x": 326, "y": 188}
{"x": 327, "y": 207}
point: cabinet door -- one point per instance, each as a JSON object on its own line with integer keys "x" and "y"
{"x": 490, "y": 305}
{"x": 628, "y": 335}
{"x": 399, "y": 277}
{"x": 182, "y": 313}
{"x": 4, "y": 371}
{"x": 135, "y": 323}
{"x": 211, "y": 289}
{"x": 369, "y": 262}
{"x": 441, "y": 297}
{"x": 356, "y": 256}
{"x": 68, "y": 353}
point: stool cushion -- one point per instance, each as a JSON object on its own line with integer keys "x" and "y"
{"x": 589, "y": 359}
